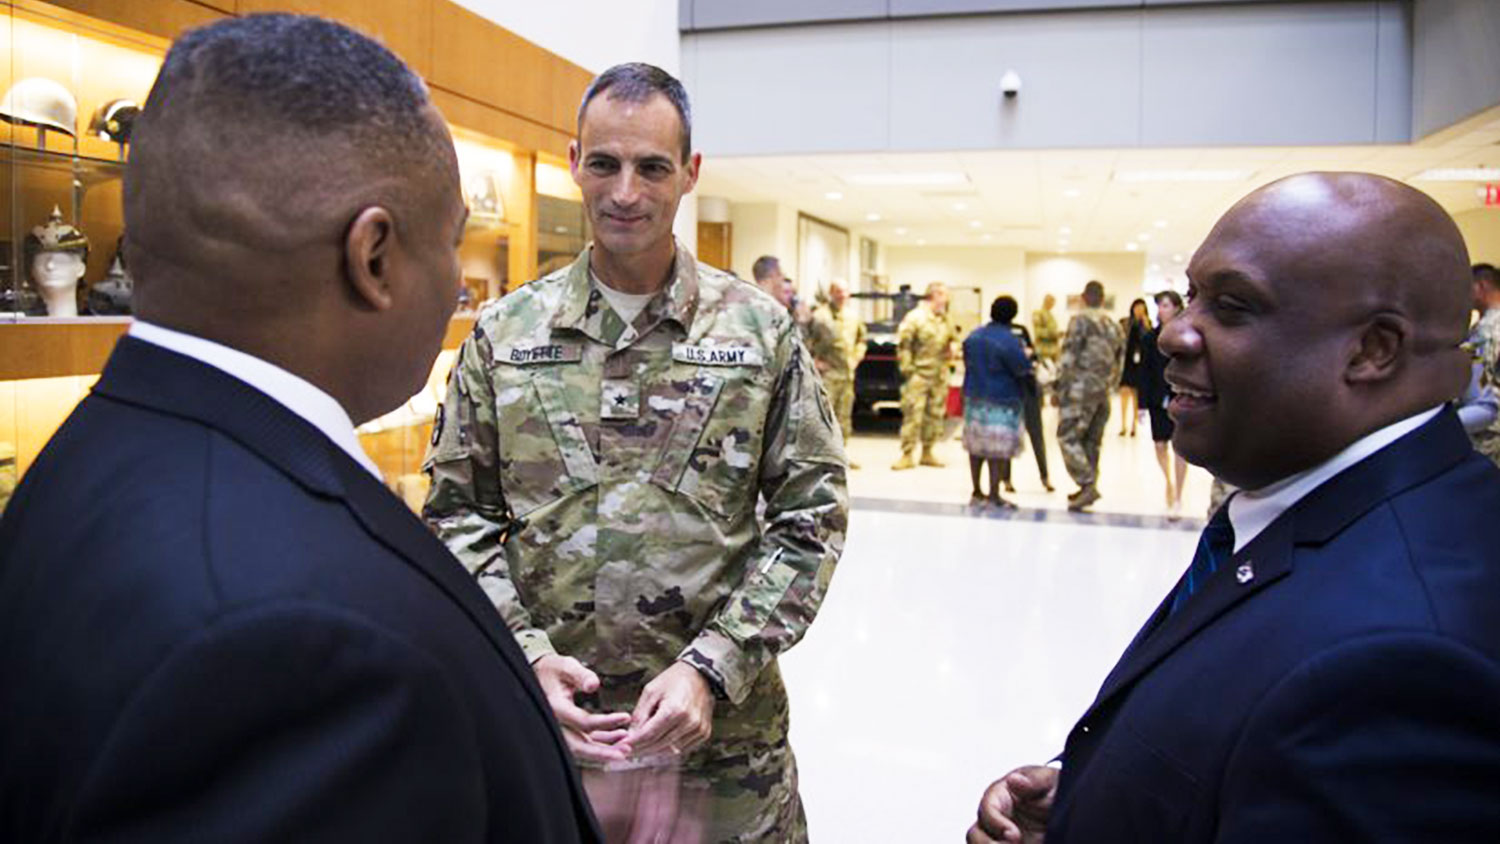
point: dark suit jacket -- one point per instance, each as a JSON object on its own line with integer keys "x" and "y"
{"x": 1348, "y": 690}
{"x": 216, "y": 626}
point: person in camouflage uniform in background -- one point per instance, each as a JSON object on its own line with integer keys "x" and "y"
{"x": 1484, "y": 344}
{"x": 836, "y": 339}
{"x": 600, "y": 473}
{"x": 924, "y": 346}
{"x": 1045, "y": 337}
{"x": 1092, "y": 352}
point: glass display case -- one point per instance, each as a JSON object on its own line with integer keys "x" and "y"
{"x": 562, "y": 229}
{"x": 70, "y": 87}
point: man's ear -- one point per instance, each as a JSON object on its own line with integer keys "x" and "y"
{"x": 368, "y": 250}
{"x": 1382, "y": 345}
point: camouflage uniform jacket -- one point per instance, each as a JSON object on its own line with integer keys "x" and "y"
{"x": 1092, "y": 355}
{"x": 837, "y": 339}
{"x": 601, "y": 480}
{"x": 924, "y": 342}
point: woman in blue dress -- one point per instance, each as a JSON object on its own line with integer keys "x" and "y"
{"x": 995, "y": 370}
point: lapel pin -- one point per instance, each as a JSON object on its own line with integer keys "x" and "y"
{"x": 1245, "y": 573}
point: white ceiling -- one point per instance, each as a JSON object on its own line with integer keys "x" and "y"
{"x": 1027, "y": 199}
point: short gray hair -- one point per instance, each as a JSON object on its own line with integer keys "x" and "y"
{"x": 637, "y": 82}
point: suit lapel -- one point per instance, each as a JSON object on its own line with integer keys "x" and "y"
{"x": 1317, "y": 518}
{"x": 146, "y": 375}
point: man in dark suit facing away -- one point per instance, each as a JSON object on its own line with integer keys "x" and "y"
{"x": 1328, "y": 668}
{"x": 216, "y": 624}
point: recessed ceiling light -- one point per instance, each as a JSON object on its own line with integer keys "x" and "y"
{"x": 1161, "y": 224}
{"x": 907, "y": 179}
{"x": 901, "y": 231}
{"x": 921, "y": 242}
{"x": 834, "y": 195}
{"x": 960, "y": 206}
{"x": 974, "y": 224}
{"x": 561, "y": 229}
{"x": 1177, "y": 259}
{"x": 1155, "y": 268}
{"x": 1458, "y": 174}
{"x": 1072, "y": 193}
{"x": 1132, "y": 247}
{"x": 1182, "y": 175}
{"x": 872, "y": 217}
{"x": 1143, "y": 237}
{"x": 1065, "y": 230}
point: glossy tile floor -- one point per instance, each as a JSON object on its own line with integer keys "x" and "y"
{"x": 957, "y": 643}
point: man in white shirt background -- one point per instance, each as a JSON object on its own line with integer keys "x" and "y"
{"x": 1328, "y": 665}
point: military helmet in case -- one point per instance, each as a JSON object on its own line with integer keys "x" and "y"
{"x": 39, "y": 101}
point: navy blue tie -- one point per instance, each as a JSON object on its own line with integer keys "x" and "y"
{"x": 1215, "y": 547}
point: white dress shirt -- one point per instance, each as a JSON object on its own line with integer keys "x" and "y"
{"x": 296, "y": 394}
{"x": 1252, "y": 511}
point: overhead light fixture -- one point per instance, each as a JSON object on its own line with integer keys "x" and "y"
{"x": 1072, "y": 193}
{"x": 1177, "y": 259}
{"x": 901, "y": 231}
{"x": 1459, "y": 174}
{"x": 1143, "y": 236}
{"x": 833, "y": 195}
{"x": 1065, "y": 230}
{"x": 960, "y": 206}
{"x": 872, "y": 217}
{"x": 1155, "y": 268}
{"x": 974, "y": 224}
{"x": 896, "y": 180}
{"x": 1161, "y": 224}
{"x": 1132, "y": 247}
{"x": 921, "y": 242}
{"x": 1182, "y": 175}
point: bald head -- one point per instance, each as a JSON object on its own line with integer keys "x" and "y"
{"x": 263, "y": 136}
{"x": 1369, "y": 243}
{"x": 1333, "y": 303}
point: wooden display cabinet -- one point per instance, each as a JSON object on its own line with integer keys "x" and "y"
{"x": 101, "y": 51}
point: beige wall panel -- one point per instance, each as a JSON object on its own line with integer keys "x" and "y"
{"x": 162, "y": 18}
{"x": 405, "y": 26}
{"x": 483, "y": 62}
{"x": 462, "y": 111}
{"x": 568, "y": 89}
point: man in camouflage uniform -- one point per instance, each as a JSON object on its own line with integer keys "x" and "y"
{"x": 924, "y": 346}
{"x": 607, "y": 434}
{"x": 1044, "y": 335}
{"x": 1092, "y": 352}
{"x": 1484, "y": 343}
{"x": 836, "y": 339}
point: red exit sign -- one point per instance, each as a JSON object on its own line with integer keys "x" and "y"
{"x": 1492, "y": 195}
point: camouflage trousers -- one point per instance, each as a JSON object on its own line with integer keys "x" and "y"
{"x": 924, "y": 402}
{"x": 738, "y": 800}
{"x": 1080, "y": 433}
{"x": 841, "y": 395}
{"x": 739, "y": 786}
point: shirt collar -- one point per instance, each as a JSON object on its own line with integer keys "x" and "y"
{"x": 299, "y": 396}
{"x": 583, "y": 309}
{"x": 1252, "y": 511}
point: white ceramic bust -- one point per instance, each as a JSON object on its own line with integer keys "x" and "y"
{"x": 58, "y": 255}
